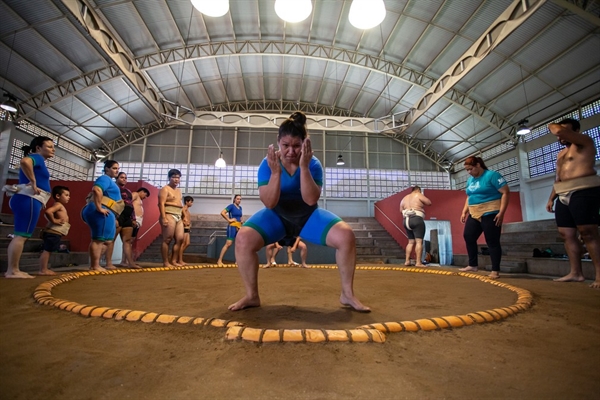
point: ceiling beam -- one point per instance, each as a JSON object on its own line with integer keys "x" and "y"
{"x": 513, "y": 17}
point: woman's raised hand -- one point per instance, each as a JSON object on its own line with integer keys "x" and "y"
{"x": 307, "y": 153}
{"x": 273, "y": 159}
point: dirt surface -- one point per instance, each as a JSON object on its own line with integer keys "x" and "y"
{"x": 550, "y": 351}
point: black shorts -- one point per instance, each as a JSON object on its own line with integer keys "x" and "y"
{"x": 125, "y": 219}
{"x": 51, "y": 241}
{"x": 417, "y": 227}
{"x": 136, "y": 229}
{"x": 583, "y": 209}
{"x": 186, "y": 230}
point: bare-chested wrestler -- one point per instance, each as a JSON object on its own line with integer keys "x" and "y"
{"x": 138, "y": 209}
{"x": 413, "y": 215}
{"x": 188, "y": 201}
{"x": 169, "y": 206}
{"x": 577, "y": 188}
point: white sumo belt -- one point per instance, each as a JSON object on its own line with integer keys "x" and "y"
{"x": 411, "y": 213}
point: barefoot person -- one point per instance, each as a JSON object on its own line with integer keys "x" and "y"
{"x": 169, "y": 206}
{"x": 138, "y": 208}
{"x": 413, "y": 216}
{"x": 290, "y": 181}
{"x": 487, "y": 200}
{"x": 58, "y": 226}
{"x": 28, "y": 198}
{"x": 577, "y": 188}
{"x": 291, "y": 246}
{"x": 100, "y": 213}
{"x": 233, "y": 215}
{"x": 186, "y": 215}
{"x": 125, "y": 225}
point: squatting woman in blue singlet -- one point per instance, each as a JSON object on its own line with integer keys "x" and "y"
{"x": 98, "y": 215}
{"x": 289, "y": 185}
{"x": 28, "y": 202}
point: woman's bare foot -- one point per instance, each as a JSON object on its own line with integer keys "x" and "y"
{"x": 421, "y": 265}
{"x": 245, "y": 302}
{"x": 354, "y": 303}
{"x": 595, "y": 284}
{"x": 98, "y": 268}
{"x": 220, "y": 263}
{"x": 407, "y": 263}
{"x": 294, "y": 264}
{"x": 18, "y": 275}
{"x": 468, "y": 269}
{"x": 168, "y": 265}
{"x": 570, "y": 278}
{"x": 47, "y": 272}
{"x": 110, "y": 267}
{"x": 304, "y": 266}
{"x": 266, "y": 266}
{"x": 494, "y": 275}
{"x": 134, "y": 266}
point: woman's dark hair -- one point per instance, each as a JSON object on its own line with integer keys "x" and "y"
{"x": 37, "y": 141}
{"x": 121, "y": 173}
{"x": 235, "y": 195}
{"x": 473, "y": 161}
{"x": 294, "y": 126}
{"x": 109, "y": 164}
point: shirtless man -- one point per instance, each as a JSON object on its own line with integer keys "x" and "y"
{"x": 413, "y": 215}
{"x": 187, "y": 226}
{"x": 169, "y": 206}
{"x": 138, "y": 209}
{"x": 577, "y": 188}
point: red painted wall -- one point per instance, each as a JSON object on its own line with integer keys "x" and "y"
{"x": 446, "y": 205}
{"x": 79, "y": 234}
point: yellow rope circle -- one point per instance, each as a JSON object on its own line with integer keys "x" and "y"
{"x": 375, "y": 333}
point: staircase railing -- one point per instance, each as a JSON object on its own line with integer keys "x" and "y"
{"x": 393, "y": 223}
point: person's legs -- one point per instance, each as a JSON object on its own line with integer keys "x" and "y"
{"x": 342, "y": 239}
{"x": 227, "y": 244}
{"x": 492, "y": 235}
{"x": 409, "y": 249}
{"x": 589, "y": 234}
{"x": 248, "y": 242}
{"x": 95, "y": 251}
{"x": 14, "y": 251}
{"x": 51, "y": 243}
{"x": 178, "y": 242}
{"x": 274, "y": 253}
{"x": 303, "y": 254}
{"x": 471, "y": 233}
{"x": 574, "y": 250}
{"x": 419, "y": 253}
{"x": 110, "y": 246}
{"x": 184, "y": 245}
{"x": 168, "y": 231}
{"x": 127, "y": 239}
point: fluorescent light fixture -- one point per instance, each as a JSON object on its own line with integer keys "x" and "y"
{"x": 212, "y": 8}
{"x": 293, "y": 10}
{"x": 220, "y": 163}
{"x": 366, "y": 14}
{"x": 340, "y": 160}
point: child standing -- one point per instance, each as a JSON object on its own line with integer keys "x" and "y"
{"x": 58, "y": 226}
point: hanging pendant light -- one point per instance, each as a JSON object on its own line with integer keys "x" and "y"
{"x": 293, "y": 10}
{"x": 220, "y": 163}
{"x": 9, "y": 105}
{"x": 366, "y": 14}
{"x": 340, "y": 160}
{"x": 523, "y": 128}
{"x": 212, "y": 8}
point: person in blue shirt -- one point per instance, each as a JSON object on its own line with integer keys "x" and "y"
{"x": 233, "y": 215}
{"x": 101, "y": 212}
{"x": 487, "y": 200}
{"x": 27, "y": 203}
{"x": 289, "y": 185}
